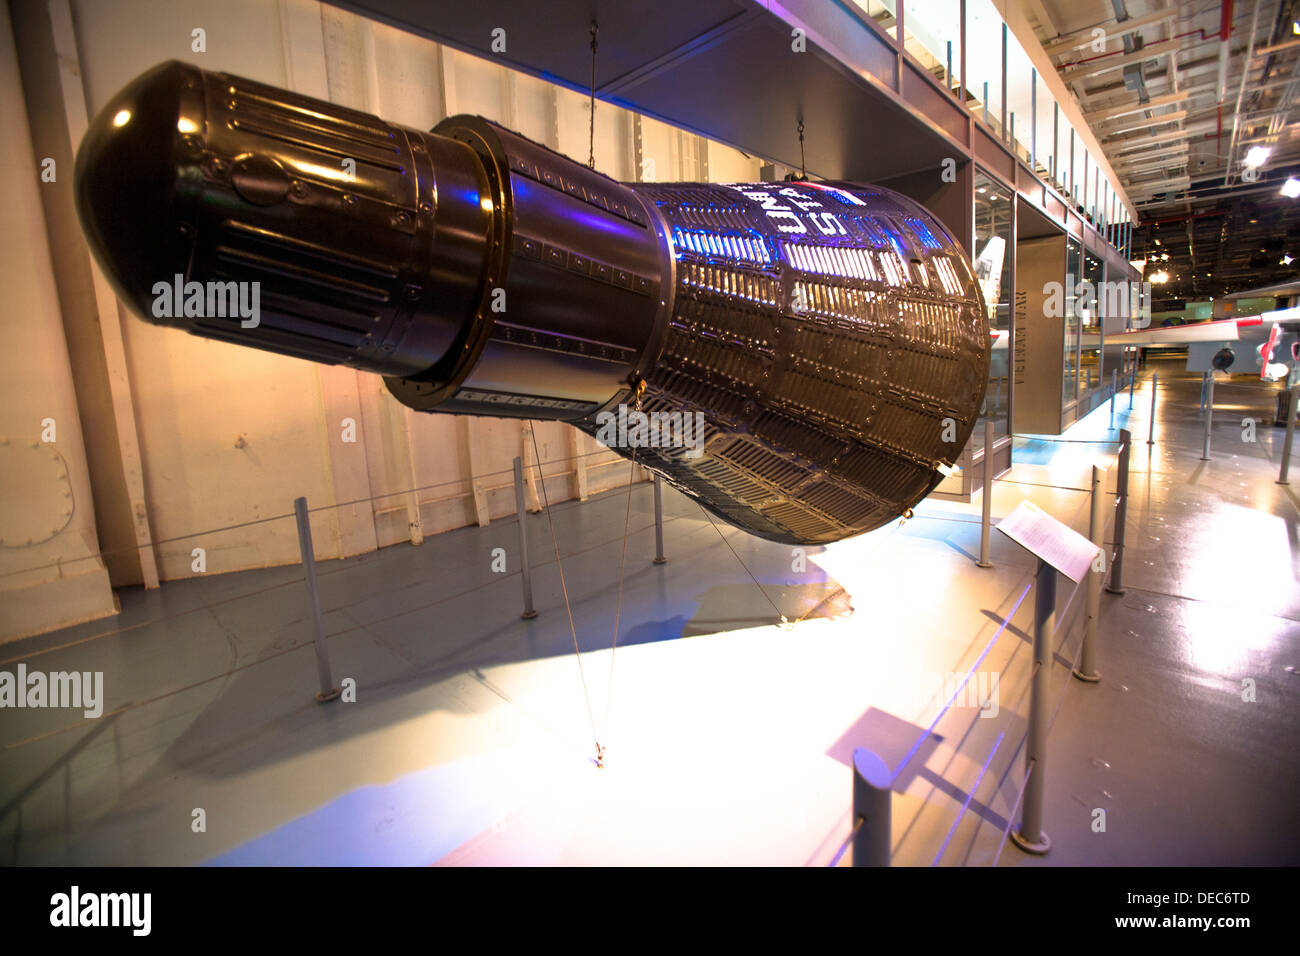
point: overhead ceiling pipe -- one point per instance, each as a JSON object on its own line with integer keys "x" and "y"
{"x": 1183, "y": 218}
{"x": 1225, "y": 31}
{"x": 1241, "y": 92}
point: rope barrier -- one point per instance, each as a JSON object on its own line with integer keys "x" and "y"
{"x": 969, "y": 673}
{"x": 848, "y": 841}
{"x": 1011, "y": 817}
{"x": 969, "y": 797}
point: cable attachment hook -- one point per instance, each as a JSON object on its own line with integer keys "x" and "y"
{"x": 600, "y": 756}
{"x": 638, "y": 390}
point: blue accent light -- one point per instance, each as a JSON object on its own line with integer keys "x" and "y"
{"x": 737, "y": 246}
{"x": 896, "y": 238}
{"x": 923, "y": 233}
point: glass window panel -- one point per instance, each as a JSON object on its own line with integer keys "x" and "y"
{"x": 933, "y": 35}
{"x": 984, "y": 62}
{"x": 1046, "y": 147}
{"x": 1090, "y": 326}
{"x": 1020, "y": 75}
{"x": 1073, "y": 271}
{"x": 993, "y": 211}
{"x": 1062, "y": 177}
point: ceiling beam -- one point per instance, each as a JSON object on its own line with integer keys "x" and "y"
{"x": 1100, "y": 116}
{"x": 1078, "y": 71}
{"x": 1113, "y": 28}
{"x": 1128, "y": 126}
{"x": 1284, "y": 45}
{"x": 1135, "y": 143}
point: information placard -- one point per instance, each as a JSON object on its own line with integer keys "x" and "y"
{"x": 1053, "y": 541}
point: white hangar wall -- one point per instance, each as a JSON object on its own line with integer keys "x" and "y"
{"x": 191, "y": 435}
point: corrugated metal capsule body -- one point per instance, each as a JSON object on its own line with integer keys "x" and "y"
{"x": 827, "y": 338}
{"x": 833, "y": 337}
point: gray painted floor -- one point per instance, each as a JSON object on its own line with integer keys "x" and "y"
{"x": 728, "y": 734}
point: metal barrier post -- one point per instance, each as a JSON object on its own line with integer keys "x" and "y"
{"x": 1132, "y": 377}
{"x": 872, "y": 809}
{"x": 327, "y": 689}
{"x": 1209, "y": 416}
{"x": 1114, "y": 387}
{"x": 1151, "y": 435}
{"x": 1116, "y": 585}
{"x": 1087, "y": 669}
{"x": 1031, "y": 837}
{"x": 1282, "y": 476}
{"x": 521, "y": 512}
{"x": 659, "y": 522}
{"x": 987, "y": 504}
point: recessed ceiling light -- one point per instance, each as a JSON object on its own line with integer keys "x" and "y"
{"x": 1291, "y": 188}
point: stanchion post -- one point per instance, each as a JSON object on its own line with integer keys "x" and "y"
{"x": 1151, "y": 434}
{"x": 1087, "y": 669}
{"x": 1132, "y": 377}
{"x": 522, "y": 513}
{"x": 872, "y": 809}
{"x": 1116, "y": 585}
{"x": 1283, "y": 474}
{"x": 1209, "y": 415}
{"x": 659, "y": 522}
{"x": 1114, "y": 387}
{"x": 987, "y": 504}
{"x": 1031, "y": 837}
{"x": 327, "y": 689}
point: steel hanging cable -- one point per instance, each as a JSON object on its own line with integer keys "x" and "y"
{"x": 564, "y": 589}
{"x": 803, "y": 162}
{"x": 706, "y": 514}
{"x": 618, "y": 605}
{"x": 591, "y": 146}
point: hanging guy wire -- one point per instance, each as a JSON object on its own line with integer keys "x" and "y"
{"x": 541, "y": 480}
{"x": 591, "y": 147}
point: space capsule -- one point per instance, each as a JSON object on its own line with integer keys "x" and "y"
{"x": 803, "y": 358}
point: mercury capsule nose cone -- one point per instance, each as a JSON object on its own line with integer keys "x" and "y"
{"x": 126, "y": 183}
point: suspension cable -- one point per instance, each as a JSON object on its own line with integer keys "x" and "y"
{"x": 541, "y": 480}
{"x": 591, "y": 148}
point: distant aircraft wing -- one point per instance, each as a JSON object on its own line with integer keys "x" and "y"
{"x": 1224, "y": 330}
